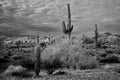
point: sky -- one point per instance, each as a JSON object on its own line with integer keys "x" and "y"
{"x": 28, "y": 16}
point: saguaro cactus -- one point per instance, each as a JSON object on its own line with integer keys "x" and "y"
{"x": 49, "y": 38}
{"x": 18, "y": 44}
{"x": 37, "y": 52}
{"x": 83, "y": 38}
{"x": 67, "y": 29}
{"x": 37, "y": 37}
{"x": 96, "y": 36}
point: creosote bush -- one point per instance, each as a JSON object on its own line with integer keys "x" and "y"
{"x": 82, "y": 60}
{"x": 67, "y": 55}
{"x": 51, "y": 60}
{"x": 24, "y": 61}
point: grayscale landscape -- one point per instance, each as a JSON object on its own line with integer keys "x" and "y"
{"x": 59, "y": 39}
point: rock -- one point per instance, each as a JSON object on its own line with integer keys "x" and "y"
{"x": 108, "y": 66}
{"x": 59, "y": 72}
{"x": 14, "y": 69}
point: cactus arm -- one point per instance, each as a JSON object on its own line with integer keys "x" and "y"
{"x": 69, "y": 14}
{"x": 71, "y": 28}
{"x": 64, "y": 27}
{"x": 69, "y": 17}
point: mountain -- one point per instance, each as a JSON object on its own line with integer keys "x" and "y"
{"x": 27, "y": 16}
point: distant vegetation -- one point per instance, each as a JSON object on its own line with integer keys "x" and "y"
{"x": 60, "y": 53}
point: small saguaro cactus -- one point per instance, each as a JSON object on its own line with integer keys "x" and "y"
{"x": 96, "y": 36}
{"x": 37, "y": 52}
{"x": 83, "y": 38}
{"x": 67, "y": 29}
{"x": 49, "y": 38}
{"x": 38, "y": 38}
{"x": 18, "y": 43}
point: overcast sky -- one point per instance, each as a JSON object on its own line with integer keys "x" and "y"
{"x": 47, "y": 15}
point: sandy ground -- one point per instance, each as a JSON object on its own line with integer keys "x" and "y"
{"x": 97, "y": 74}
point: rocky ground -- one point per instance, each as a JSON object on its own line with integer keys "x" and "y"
{"x": 72, "y": 75}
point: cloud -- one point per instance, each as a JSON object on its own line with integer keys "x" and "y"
{"x": 114, "y": 26}
{"x": 42, "y": 28}
{"x": 10, "y": 26}
{"x": 107, "y": 19}
{"x": 48, "y": 14}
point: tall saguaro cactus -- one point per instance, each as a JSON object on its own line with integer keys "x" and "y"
{"x": 67, "y": 29}
{"x": 96, "y": 36}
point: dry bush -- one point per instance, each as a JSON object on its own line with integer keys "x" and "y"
{"x": 14, "y": 69}
{"x": 117, "y": 68}
{"x": 18, "y": 71}
{"x": 111, "y": 58}
{"x": 24, "y": 59}
{"x": 112, "y": 67}
{"x": 69, "y": 55}
{"x": 2, "y": 43}
{"x": 51, "y": 59}
{"x": 82, "y": 60}
{"x": 115, "y": 49}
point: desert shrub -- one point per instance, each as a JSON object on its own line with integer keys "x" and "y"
{"x": 88, "y": 63}
{"x": 102, "y": 53}
{"x": 51, "y": 59}
{"x": 2, "y": 44}
{"x": 109, "y": 51}
{"x": 27, "y": 63}
{"x": 107, "y": 34}
{"x": 24, "y": 59}
{"x": 111, "y": 58}
{"x": 82, "y": 60}
{"x": 68, "y": 55}
{"x": 117, "y": 68}
{"x": 112, "y": 67}
{"x": 90, "y": 46}
{"x": 23, "y": 56}
{"x": 13, "y": 69}
{"x": 18, "y": 71}
{"x": 113, "y": 50}
{"x": 88, "y": 40}
{"x": 114, "y": 39}
{"x": 53, "y": 64}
